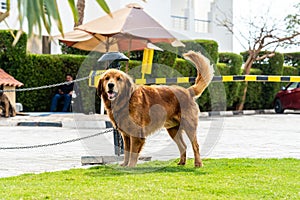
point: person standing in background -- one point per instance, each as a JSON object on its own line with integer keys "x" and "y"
{"x": 64, "y": 93}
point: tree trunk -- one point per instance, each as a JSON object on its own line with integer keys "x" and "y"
{"x": 80, "y": 7}
{"x": 248, "y": 65}
{"x": 241, "y": 105}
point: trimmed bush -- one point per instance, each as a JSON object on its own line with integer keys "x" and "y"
{"x": 11, "y": 56}
{"x": 209, "y": 48}
{"x": 292, "y": 59}
{"x": 255, "y": 92}
{"x": 290, "y": 71}
{"x": 40, "y": 70}
{"x": 233, "y": 63}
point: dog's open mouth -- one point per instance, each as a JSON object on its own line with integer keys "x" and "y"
{"x": 111, "y": 94}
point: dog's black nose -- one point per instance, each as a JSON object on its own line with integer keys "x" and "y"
{"x": 111, "y": 85}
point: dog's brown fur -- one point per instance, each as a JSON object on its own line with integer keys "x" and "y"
{"x": 6, "y": 107}
{"x": 138, "y": 111}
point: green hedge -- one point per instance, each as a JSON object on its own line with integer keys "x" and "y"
{"x": 290, "y": 71}
{"x": 274, "y": 67}
{"x": 11, "y": 56}
{"x": 39, "y": 70}
{"x": 233, "y": 63}
{"x": 255, "y": 92}
{"x": 292, "y": 59}
{"x": 209, "y": 48}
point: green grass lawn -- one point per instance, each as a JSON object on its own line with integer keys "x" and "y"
{"x": 218, "y": 179}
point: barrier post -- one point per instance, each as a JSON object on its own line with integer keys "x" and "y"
{"x": 147, "y": 62}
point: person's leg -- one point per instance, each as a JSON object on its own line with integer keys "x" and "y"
{"x": 54, "y": 101}
{"x": 67, "y": 102}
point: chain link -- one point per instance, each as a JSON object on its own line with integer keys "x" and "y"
{"x": 53, "y": 85}
{"x": 56, "y": 143}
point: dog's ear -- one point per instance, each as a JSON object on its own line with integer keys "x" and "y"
{"x": 100, "y": 87}
{"x": 129, "y": 86}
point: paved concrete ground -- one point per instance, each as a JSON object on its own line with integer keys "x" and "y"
{"x": 253, "y": 136}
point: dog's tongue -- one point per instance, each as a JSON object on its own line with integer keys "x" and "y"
{"x": 110, "y": 95}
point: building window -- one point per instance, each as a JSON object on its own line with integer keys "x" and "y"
{"x": 201, "y": 26}
{"x": 179, "y": 22}
{"x": 3, "y": 5}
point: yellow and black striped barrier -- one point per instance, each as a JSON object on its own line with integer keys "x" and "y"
{"x": 95, "y": 75}
{"x": 256, "y": 78}
{"x": 234, "y": 78}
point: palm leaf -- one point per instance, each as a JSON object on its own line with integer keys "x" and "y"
{"x": 38, "y": 13}
{"x": 52, "y": 10}
{"x": 74, "y": 10}
{"x": 104, "y": 6}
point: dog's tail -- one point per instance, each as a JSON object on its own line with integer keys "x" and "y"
{"x": 205, "y": 72}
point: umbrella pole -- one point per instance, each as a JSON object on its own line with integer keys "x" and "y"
{"x": 128, "y": 55}
{"x": 127, "y": 65}
{"x": 101, "y": 101}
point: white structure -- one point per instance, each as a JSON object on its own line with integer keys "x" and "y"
{"x": 186, "y": 19}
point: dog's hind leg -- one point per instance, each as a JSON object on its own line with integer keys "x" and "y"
{"x": 191, "y": 132}
{"x": 195, "y": 145}
{"x": 176, "y": 135}
{"x": 12, "y": 110}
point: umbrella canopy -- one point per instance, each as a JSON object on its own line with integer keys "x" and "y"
{"x": 128, "y": 29}
{"x": 97, "y": 42}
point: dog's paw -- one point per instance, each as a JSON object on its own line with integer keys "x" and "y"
{"x": 131, "y": 164}
{"x": 181, "y": 163}
{"x": 123, "y": 164}
{"x": 199, "y": 164}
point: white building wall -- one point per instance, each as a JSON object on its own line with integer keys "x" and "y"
{"x": 221, "y": 10}
{"x": 207, "y": 11}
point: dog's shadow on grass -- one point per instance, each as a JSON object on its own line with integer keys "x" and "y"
{"x": 155, "y": 167}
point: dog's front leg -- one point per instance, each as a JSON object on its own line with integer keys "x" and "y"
{"x": 126, "y": 140}
{"x": 136, "y": 145}
{"x": 6, "y": 109}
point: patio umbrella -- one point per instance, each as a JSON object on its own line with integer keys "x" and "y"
{"x": 128, "y": 29}
{"x": 96, "y": 42}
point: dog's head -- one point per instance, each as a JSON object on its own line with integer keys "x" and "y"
{"x": 114, "y": 84}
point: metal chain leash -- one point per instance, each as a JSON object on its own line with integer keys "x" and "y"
{"x": 52, "y": 85}
{"x": 56, "y": 143}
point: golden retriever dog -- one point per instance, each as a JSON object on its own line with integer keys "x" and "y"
{"x": 137, "y": 111}
{"x": 6, "y": 107}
